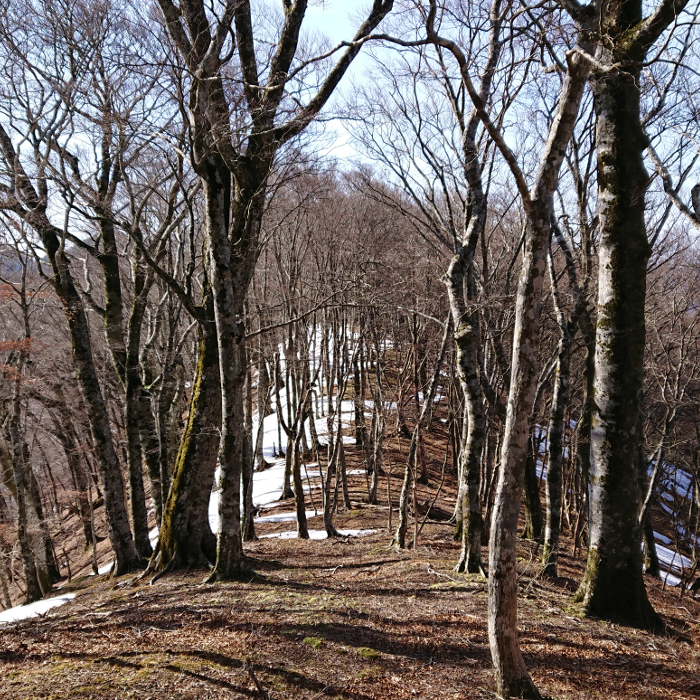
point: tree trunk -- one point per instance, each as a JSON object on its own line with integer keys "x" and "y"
{"x": 583, "y": 428}
{"x": 230, "y": 278}
{"x": 263, "y": 394}
{"x": 613, "y": 585}
{"x": 512, "y": 677}
{"x": 186, "y": 539}
{"x": 248, "y": 463}
{"x": 555, "y": 434}
{"x": 651, "y": 558}
{"x": 125, "y": 357}
{"x": 343, "y": 472}
{"x": 299, "y": 500}
{"x": 412, "y": 459}
{"x": 327, "y": 490}
{"x": 150, "y": 451}
{"x": 531, "y": 494}
{"x": 31, "y": 575}
{"x": 126, "y": 555}
{"x": 132, "y": 421}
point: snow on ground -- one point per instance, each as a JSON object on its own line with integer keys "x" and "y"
{"x": 662, "y": 538}
{"x": 267, "y": 484}
{"x": 283, "y": 517}
{"x": 670, "y": 560}
{"x": 41, "y": 607}
{"x": 439, "y": 396}
{"x": 317, "y": 534}
{"x": 669, "y": 579}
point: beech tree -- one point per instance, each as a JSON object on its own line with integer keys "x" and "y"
{"x": 613, "y": 586}
{"x": 234, "y": 145}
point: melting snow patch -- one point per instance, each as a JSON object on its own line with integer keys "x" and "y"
{"x": 282, "y": 517}
{"x": 670, "y": 579}
{"x": 41, "y": 607}
{"x": 318, "y": 534}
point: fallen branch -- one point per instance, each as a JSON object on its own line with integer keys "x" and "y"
{"x": 261, "y": 691}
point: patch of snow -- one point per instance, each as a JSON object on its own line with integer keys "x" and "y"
{"x": 670, "y": 560}
{"x": 662, "y": 538}
{"x": 283, "y": 517}
{"x": 670, "y": 579}
{"x": 41, "y": 607}
{"x": 540, "y": 470}
{"x": 317, "y": 534}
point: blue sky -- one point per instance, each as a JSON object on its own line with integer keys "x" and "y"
{"x": 339, "y": 20}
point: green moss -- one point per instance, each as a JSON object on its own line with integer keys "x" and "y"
{"x": 313, "y": 642}
{"x": 367, "y": 653}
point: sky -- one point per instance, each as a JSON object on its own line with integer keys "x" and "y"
{"x": 339, "y": 20}
{"x": 333, "y": 18}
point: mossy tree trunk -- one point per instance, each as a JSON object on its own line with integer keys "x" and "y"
{"x": 234, "y": 179}
{"x": 230, "y": 279}
{"x": 186, "y": 539}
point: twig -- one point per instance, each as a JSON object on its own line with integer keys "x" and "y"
{"x": 332, "y": 571}
{"x": 261, "y": 691}
{"x": 437, "y": 573}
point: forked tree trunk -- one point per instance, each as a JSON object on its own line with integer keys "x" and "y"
{"x": 230, "y": 274}
{"x": 512, "y": 677}
{"x": 328, "y": 489}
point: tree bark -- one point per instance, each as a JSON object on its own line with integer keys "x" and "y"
{"x": 531, "y": 494}
{"x": 186, "y": 539}
{"x": 555, "y": 433}
{"x": 613, "y": 585}
{"x": 512, "y": 677}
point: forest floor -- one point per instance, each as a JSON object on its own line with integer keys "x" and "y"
{"x": 349, "y": 619}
